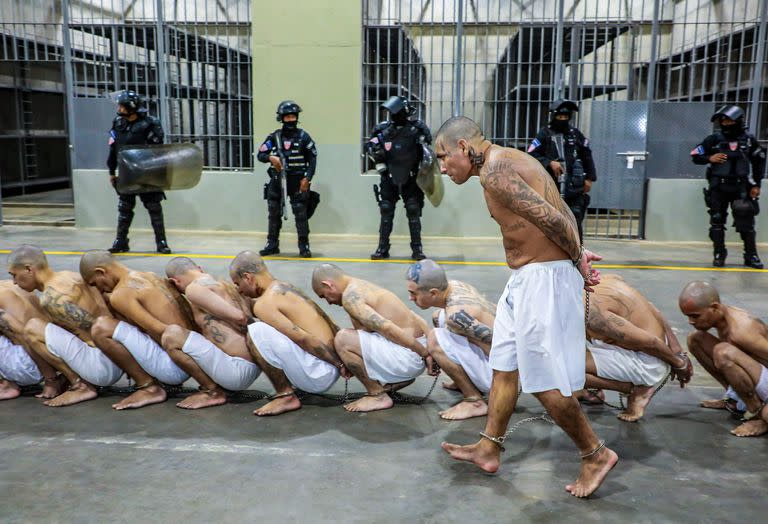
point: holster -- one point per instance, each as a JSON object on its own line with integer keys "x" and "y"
{"x": 376, "y": 193}
{"x": 707, "y": 197}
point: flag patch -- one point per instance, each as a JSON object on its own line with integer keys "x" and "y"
{"x": 534, "y": 145}
{"x": 698, "y": 150}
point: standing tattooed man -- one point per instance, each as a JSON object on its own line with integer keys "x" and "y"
{"x": 147, "y": 305}
{"x": 218, "y": 359}
{"x": 293, "y": 343}
{"x": 539, "y": 327}
{"x": 19, "y": 364}
{"x": 461, "y": 340}
{"x": 65, "y": 342}
{"x": 385, "y": 350}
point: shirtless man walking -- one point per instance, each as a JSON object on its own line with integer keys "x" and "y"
{"x": 148, "y": 305}
{"x": 737, "y": 357}
{"x": 538, "y": 334}
{"x": 217, "y": 357}
{"x": 461, "y": 340}
{"x": 293, "y": 343}
{"x": 19, "y": 365}
{"x": 65, "y": 342}
{"x": 631, "y": 347}
{"x": 386, "y": 349}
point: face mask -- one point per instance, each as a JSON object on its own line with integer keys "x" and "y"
{"x": 559, "y": 125}
{"x": 290, "y": 126}
{"x": 400, "y": 118}
{"x": 731, "y": 131}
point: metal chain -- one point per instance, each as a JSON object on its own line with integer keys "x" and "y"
{"x": 407, "y": 399}
{"x": 544, "y": 418}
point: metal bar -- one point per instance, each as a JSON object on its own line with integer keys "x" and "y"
{"x": 458, "y": 59}
{"x": 69, "y": 88}
{"x": 558, "y": 81}
{"x": 757, "y": 72}
{"x": 162, "y": 93}
{"x": 651, "y": 87}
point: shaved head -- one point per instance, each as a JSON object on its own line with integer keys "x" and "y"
{"x": 700, "y": 294}
{"x": 93, "y": 259}
{"x": 28, "y": 255}
{"x": 456, "y": 128}
{"x": 325, "y": 272}
{"x": 427, "y": 274}
{"x": 247, "y": 262}
{"x": 180, "y": 266}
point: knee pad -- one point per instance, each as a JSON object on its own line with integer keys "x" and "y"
{"x": 153, "y": 207}
{"x": 299, "y": 209}
{"x": 717, "y": 218}
{"x": 125, "y": 207}
{"x": 273, "y": 207}
{"x": 387, "y": 208}
{"x": 413, "y": 208}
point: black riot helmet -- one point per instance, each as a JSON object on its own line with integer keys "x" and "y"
{"x": 287, "y": 107}
{"x": 131, "y": 101}
{"x": 735, "y": 113}
{"x": 563, "y": 107}
{"x": 399, "y": 108}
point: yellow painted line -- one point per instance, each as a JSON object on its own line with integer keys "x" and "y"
{"x": 409, "y": 261}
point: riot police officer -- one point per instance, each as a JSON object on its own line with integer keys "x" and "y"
{"x": 564, "y": 152}
{"x": 396, "y": 145}
{"x": 133, "y": 126}
{"x": 289, "y": 148}
{"x": 729, "y": 153}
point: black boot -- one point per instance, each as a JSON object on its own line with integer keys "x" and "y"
{"x": 120, "y": 245}
{"x": 304, "y": 251}
{"x": 385, "y": 229}
{"x": 750, "y": 250}
{"x": 717, "y": 235}
{"x": 414, "y": 225}
{"x": 158, "y": 226}
{"x": 273, "y": 237}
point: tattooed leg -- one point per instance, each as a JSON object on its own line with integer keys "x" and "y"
{"x": 347, "y": 343}
{"x": 211, "y": 394}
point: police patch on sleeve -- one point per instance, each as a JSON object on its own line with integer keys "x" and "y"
{"x": 265, "y": 146}
{"x": 534, "y": 145}
{"x": 112, "y": 136}
{"x": 698, "y": 150}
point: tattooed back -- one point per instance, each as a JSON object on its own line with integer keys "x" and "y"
{"x": 17, "y": 307}
{"x": 615, "y": 296}
{"x": 227, "y": 337}
{"x": 369, "y": 305}
{"x": 515, "y": 186}
{"x": 72, "y": 304}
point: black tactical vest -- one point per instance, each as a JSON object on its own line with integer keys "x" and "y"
{"x": 292, "y": 150}
{"x": 737, "y": 151}
{"x": 401, "y": 151}
{"x": 132, "y": 133}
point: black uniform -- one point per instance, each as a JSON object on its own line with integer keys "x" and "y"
{"x": 299, "y": 155}
{"x": 730, "y": 184}
{"x": 398, "y": 145}
{"x": 576, "y": 147}
{"x": 144, "y": 130}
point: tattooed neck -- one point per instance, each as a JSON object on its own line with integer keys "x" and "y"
{"x": 477, "y": 159}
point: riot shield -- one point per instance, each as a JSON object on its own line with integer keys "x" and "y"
{"x": 147, "y": 168}
{"x": 429, "y": 178}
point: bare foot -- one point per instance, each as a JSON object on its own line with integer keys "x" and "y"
{"x": 204, "y": 399}
{"x": 719, "y": 404}
{"x": 279, "y": 405}
{"x": 9, "y": 390}
{"x": 593, "y": 471}
{"x": 450, "y": 386}
{"x": 752, "y": 428}
{"x": 592, "y": 399}
{"x": 53, "y": 387}
{"x": 636, "y": 403}
{"x": 370, "y": 403}
{"x": 465, "y": 409}
{"x": 485, "y": 454}
{"x": 78, "y": 392}
{"x": 153, "y": 394}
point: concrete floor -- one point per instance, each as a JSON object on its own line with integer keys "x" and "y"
{"x": 88, "y": 464}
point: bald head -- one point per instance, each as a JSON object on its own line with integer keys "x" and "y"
{"x": 699, "y": 294}
{"x": 427, "y": 274}
{"x": 28, "y": 255}
{"x": 457, "y": 128}
{"x": 96, "y": 258}
{"x": 180, "y": 266}
{"x": 323, "y": 272}
{"x": 247, "y": 262}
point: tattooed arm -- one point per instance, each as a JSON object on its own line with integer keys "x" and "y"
{"x": 364, "y": 315}
{"x": 436, "y": 317}
{"x": 11, "y": 327}
{"x": 203, "y": 297}
{"x": 505, "y": 185}
{"x": 276, "y": 318}
{"x": 613, "y": 329}
{"x": 463, "y": 323}
{"x": 126, "y": 303}
{"x": 65, "y": 312}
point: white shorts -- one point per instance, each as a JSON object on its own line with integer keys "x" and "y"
{"x": 387, "y": 362}
{"x": 304, "y": 370}
{"x": 16, "y": 365}
{"x": 539, "y": 328}
{"x": 151, "y": 357}
{"x": 466, "y": 354}
{"x": 233, "y": 373}
{"x": 88, "y": 362}
{"x": 761, "y": 389}
{"x": 624, "y": 365}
